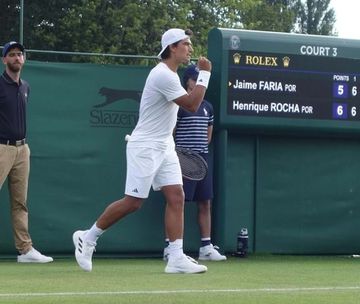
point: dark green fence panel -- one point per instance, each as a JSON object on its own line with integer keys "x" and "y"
{"x": 78, "y": 116}
{"x": 296, "y": 192}
{"x": 308, "y": 196}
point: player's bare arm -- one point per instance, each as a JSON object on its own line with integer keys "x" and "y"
{"x": 192, "y": 101}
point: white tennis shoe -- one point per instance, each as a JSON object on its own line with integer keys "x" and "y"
{"x": 184, "y": 264}
{"x": 166, "y": 254}
{"x": 210, "y": 253}
{"x": 83, "y": 250}
{"x": 33, "y": 256}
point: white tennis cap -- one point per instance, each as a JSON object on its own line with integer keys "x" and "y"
{"x": 171, "y": 36}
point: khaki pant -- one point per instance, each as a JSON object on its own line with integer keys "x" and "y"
{"x": 15, "y": 165}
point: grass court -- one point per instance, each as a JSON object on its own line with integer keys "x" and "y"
{"x": 274, "y": 279}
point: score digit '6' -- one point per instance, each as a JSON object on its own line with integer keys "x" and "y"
{"x": 353, "y": 111}
{"x": 354, "y": 91}
{"x": 340, "y": 111}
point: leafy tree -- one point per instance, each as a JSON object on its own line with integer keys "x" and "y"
{"x": 315, "y": 17}
{"x": 134, "y": 27}
{"x": 9, "y": 16}
{"x": 41, "y": 22}
{"x": 269, "y": 15}
{"x": 120, "y": 27}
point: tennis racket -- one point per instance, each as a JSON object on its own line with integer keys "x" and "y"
{"x": 193, "y": 166}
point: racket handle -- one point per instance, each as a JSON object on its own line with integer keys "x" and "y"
{"x": 127, "y": 137}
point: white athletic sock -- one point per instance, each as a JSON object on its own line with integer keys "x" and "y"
{"x": 93, "y": 234}
{"x": 175, "y": 248}
{"x": 205, "y": 241}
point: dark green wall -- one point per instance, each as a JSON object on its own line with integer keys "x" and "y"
{"x": 78, "y": 161}
{"x": 295, "y": 194}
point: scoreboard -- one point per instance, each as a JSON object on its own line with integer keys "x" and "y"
{"x": 279, "y": 81}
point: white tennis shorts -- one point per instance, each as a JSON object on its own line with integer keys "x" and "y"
{"x": 148, "y": 167}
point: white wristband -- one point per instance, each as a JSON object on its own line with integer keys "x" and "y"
{"x": 203, "y": 78}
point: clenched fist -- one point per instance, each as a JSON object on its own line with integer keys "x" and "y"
{"x": 204, "y": 64}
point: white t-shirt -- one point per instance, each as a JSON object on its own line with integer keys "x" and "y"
{"x": 158, "y": 111}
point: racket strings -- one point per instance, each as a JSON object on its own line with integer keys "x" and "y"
{"x": 192, "y": 165}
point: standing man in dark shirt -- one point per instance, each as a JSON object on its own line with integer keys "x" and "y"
{"x": 14, "y": 151}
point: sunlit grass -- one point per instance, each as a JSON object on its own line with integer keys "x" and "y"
{"x": 257, "y": 279}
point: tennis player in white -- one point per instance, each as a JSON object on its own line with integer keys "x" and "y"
{"x": 151, "y": 156}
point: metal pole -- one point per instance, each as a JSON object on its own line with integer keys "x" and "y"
{"x": 21, "y": 21}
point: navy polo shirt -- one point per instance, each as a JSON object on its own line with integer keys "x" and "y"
{"x": 13, "y": 100}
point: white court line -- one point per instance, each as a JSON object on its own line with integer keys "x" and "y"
{"x": 150, "y": 292}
